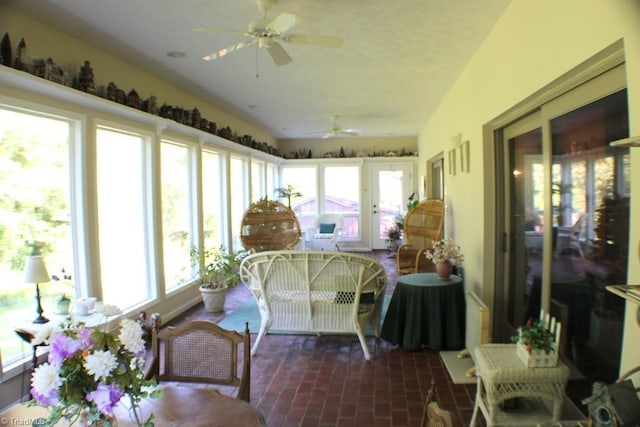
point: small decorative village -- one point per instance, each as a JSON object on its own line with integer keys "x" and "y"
{"x": 85, "y": 81}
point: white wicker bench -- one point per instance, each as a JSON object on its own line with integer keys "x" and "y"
{"x": 316, "y": 292}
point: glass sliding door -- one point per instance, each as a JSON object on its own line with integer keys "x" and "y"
{"x": 525, "y": 225}
{"x": 591, "y": 221}
{"x": 565, "y": 194}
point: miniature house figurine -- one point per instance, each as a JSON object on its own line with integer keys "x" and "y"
{"x": 85, "y": 78}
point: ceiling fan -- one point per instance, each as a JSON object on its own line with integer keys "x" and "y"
{"x": 336, "y": 130}
{"x": 269, "y": 35}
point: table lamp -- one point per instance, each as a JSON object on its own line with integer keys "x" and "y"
{"x": 36, "y": 272}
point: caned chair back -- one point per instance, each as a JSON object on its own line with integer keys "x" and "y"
{"x": 422, "y": 226}
{"x": 200, "y": 351}
{"x": 268, "y": 226}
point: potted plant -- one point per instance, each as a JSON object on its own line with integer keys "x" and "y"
{"x": 536, "y": 345}
{"x": 288, "y": 193}
{"x": 393, "y": 238}
{"x": 218, "y": 271}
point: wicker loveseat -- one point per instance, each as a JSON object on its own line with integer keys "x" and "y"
{"x": 316, "y": 292}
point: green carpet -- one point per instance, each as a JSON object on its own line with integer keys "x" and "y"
{"x": 248, "y": 311}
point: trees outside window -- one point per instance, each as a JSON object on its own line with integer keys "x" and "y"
{"x": 35, "y": 216}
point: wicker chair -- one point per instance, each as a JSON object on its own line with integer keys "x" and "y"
{"x": 268, "y": 226}
{"x": 422, "y": 225}
{"x": 324, "y": 235}
{"x": 433, "y": 415}
{"x": 200, "y": 351}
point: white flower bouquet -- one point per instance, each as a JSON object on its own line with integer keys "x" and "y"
{"x": 89, "y": 371}
{"x": 445, "y": 250}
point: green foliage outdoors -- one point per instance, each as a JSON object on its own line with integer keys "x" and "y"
{"x": 34, "y": 216}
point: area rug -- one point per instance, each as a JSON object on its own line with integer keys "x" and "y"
{"x": 248, "y": 312}
{"x": 458, "y": 367}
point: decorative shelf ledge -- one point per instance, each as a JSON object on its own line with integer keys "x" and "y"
{"x": 628, "y": 292}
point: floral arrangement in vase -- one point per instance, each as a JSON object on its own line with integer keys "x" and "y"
{"x": 89, "y": 371}
{"x": 445, "y": 250}
{"x": 445, "y": 254}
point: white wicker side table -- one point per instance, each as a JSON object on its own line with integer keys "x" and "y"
{"x": 502, "y": 375}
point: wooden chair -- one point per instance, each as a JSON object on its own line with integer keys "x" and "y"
{"x": 422, "y": 225}
{"x": 200, "y": 351}
{"x": 433, "y": 415}
{"x": 268, "y": 226}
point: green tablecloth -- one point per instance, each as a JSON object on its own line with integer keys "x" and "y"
{"x": 426, "y": 311}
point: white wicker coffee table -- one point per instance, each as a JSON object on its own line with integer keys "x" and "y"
{"x": 502, "y": 376}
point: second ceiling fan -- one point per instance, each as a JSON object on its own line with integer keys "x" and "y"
{"x": 269, "y": 35}
{"x": 336, "y": 130}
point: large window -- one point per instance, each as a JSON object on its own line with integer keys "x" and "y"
{"x": 341, "y": 189}
{"x": 258, "y": 180}
{"x": 303, "y": 180}
{"x": 98, "y": 208}
{"x": 177, "y": 216}
{"x": 239, "y": 176}
{"x": 212, "y": 198}
{"x": 35, "y": 216}
{"x": 123, "y": 217}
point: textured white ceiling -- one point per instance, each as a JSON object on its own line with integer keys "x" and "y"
{"x": 398, "y": 60}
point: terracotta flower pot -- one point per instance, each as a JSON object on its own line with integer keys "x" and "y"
{"x": 444, "y": 270}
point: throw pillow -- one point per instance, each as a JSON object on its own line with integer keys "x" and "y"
{"x": 327, "y": 228}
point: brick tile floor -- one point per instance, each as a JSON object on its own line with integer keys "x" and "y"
{"x": 304, "y": 380}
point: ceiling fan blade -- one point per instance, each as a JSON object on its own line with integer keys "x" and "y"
{"x": 218, "y": 30}
{"x": 227, "y": 50}
{"x": 278, "y": 55}
{"x": 313, "y": 40}
{"x": 283, "y": 23}
{"x": 328, "y": 135}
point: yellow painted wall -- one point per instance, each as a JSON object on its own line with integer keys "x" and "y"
{"x": 532, "y": 44}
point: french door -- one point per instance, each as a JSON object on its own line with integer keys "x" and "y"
{"x": 391, "y": 185}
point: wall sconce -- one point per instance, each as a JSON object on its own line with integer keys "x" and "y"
{"x": 36, "y": 272}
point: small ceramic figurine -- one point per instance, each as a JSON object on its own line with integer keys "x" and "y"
{"x": 5, "y": 50}
{"x": 85, "y": 78}
{"x": 20, "y": 63}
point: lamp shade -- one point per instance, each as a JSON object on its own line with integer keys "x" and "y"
{"x": 35, "y": 271}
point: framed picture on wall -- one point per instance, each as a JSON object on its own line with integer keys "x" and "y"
{"x": 464, "y": 157}
{"x": 452, "y": 162}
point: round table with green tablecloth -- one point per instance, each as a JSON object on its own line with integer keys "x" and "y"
{"x": 426, "y": 311}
